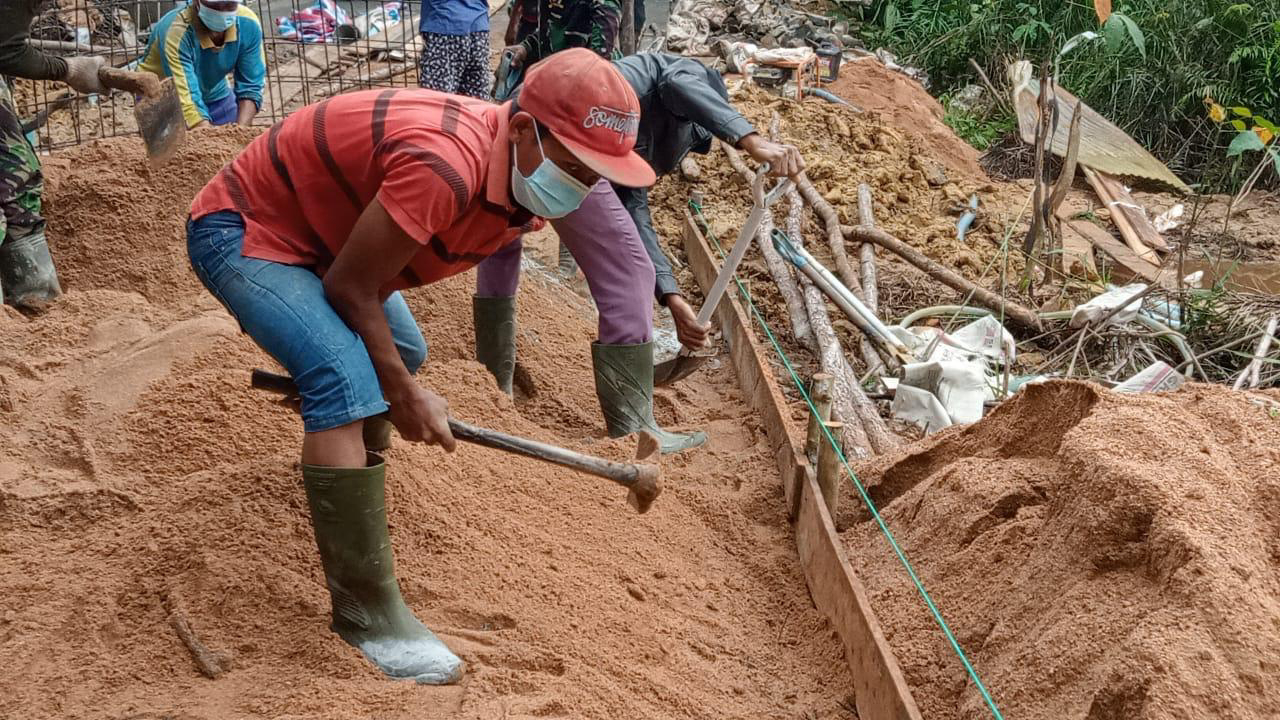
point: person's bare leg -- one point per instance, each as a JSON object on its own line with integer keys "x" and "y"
{"x": 339, "y": 447}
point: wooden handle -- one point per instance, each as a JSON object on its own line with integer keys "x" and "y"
{"x": 139, "y": 83}
{"x": 643, "y": 480}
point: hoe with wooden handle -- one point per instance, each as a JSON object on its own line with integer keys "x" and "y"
{"x": 643, "y": 478}
{"x": 156, "y": 108}
{"x": 685, "y": 363}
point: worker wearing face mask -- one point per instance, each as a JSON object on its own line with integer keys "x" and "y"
{"x": 611, "y": 236}
{"x": 308, "y": 235}
{"x": 199, "y": 46}
{"x": 27, "y": 276}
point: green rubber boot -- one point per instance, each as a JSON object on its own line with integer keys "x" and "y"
{"x": 495, "y": 324}
{"x": 624, "y": 385}
{"x": 350, "y": 520}
{"x": 377, "y": 432}
{"x": 27, "y": 277}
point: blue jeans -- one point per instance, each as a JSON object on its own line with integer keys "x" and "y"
{"x": 284, "y": 309}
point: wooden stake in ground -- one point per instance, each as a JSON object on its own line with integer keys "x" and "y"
{"x": 820, "y": 395}
{"x": 829, "y": 467}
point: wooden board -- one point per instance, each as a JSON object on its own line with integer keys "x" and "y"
{"x": 1121, "y": 253}
{"x": 1133, "y": 224}
{"x": 880, "y": 690}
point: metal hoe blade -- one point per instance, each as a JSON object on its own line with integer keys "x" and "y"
{"x": 161, "y": 123}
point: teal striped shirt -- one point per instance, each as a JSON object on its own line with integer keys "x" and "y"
{"x": 181, "y": 48}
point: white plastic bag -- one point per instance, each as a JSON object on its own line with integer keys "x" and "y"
{"x": 1095, "y": 309}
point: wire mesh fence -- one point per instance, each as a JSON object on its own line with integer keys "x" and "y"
{"x": 313, "y": 49}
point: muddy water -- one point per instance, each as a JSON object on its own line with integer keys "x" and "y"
{"x": 1248, "y": 277}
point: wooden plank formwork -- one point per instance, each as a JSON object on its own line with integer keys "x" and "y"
{"x": 880, "y": 690}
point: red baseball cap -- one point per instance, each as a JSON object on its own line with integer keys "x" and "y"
{"x": 591, "y": 109}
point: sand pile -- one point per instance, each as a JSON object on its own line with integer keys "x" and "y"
{"x": 1099, "y": 556}
{"x": 140, "y": 478}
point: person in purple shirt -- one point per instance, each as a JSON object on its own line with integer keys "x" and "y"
{"x": 455, "y": 47}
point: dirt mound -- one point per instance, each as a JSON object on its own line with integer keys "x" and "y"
{"x": 916, "y": 197}
{"x": 141, "y": 478}
{"x": 111, "y": 217}
{"x": 1098, "y": 556}
{"x": 903, "y": 103}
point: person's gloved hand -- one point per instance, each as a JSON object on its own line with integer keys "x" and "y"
{"x": 784, "y": 160}
{"x": 691, "y": 334}
{"x": 82, "y": 74}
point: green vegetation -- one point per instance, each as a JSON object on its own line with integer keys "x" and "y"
{"x": 978, "y": 128}
{"x": 1160, "y": 60}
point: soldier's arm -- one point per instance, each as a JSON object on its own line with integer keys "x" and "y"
{"x": 17, "y": 57}
{"x": 606, "y": 15}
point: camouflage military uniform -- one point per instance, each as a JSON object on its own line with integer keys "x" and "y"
{"x": 27, "y": 277}
{"x": 549, "y": 26}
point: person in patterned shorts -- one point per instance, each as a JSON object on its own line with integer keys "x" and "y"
{"x": 455, "y": 47}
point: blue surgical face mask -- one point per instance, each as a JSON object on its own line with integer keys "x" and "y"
{"x": 549, "y": 192}
{"x": 216, "y": 20}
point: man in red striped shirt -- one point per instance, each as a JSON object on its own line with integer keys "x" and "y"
{"x": 309, "y": 234}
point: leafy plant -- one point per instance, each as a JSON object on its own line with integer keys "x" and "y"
{"x": 1157, "y": 61}
{"x": 1252, "y": 133}
{"x": 979, "y": 129}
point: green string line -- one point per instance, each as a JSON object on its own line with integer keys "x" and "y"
{"x": 862, "y": 491}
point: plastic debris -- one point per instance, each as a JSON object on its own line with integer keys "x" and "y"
{"x": 1168, "y": 220}
{"x": 1102, "y": 305}
{"x": 960, "y": 388}
{"x": 1155, "y": 378}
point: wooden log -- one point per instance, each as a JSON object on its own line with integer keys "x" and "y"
{"x": 1015, "y": 312}
{"x": 835, "y": 239}
{"x": 820, "y": 394}
{"x": 864, "y": 430}
{"x": 867, "y": 251}
{"x": 870, "y": 291}
{"x": 879, "y": 688}
{"x": 779, "y": 270}
{"x": 830, "y": 470}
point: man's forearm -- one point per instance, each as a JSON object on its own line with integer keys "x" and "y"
{"x": 247, "y": 111}
{"x": 17, "y": 57}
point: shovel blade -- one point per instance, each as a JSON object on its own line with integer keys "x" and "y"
{"x": 161, "y": 123}
{"x": 676, "y": 369}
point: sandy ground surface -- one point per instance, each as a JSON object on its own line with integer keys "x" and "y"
{"x": 141, "y": 479}
{"x": 1098, "y": 556}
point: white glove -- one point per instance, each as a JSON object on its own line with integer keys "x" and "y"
{"x": 82, "y": 74}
